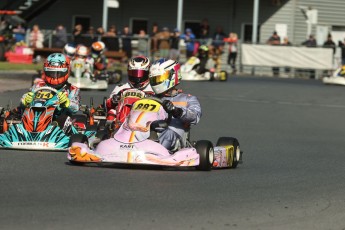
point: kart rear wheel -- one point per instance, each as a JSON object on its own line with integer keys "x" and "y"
{"x": 115, "y": 77}
{"x": 236, "y": 154}
{"x": 223, "y": 76}
{"x": 205, "y": 150}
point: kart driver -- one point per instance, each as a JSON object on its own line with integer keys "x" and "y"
{"x": 164, "y": 76}
{"x": 100, "y": 60}
{"x": 82, "y": 53}
{"x": 69, "y": 50}
{"x": 138, "y": 77}
{"x": 206, "y": 64}
{"x": 55, "y": 74}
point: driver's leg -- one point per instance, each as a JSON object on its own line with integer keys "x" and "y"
{"x": 170, "y": 140}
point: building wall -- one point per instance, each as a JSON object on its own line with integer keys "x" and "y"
{"x": 330, "y": 14}
{"x": 231, "y": 15}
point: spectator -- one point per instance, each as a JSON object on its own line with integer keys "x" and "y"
{"x": 218, "y": 42}
{"x": 60, "y": 37}
{"x": 99, "y": 33}
{"x": 329, "y": 43}
{"x": 112, "y": 32}
{"x": 341, "y": 44}
{"x": 36, "y": 37}
{"x": 189, "y": 39}
{"x": 19, "y": 33}
{"x": 232, "y": 41}
{"x": 152, "y": 35}
{"x": 161, "y": 40}
{"x": 143, "y": 43}
{"x": 286, "y": 42}
{"x": 174, "y": 52}
{"x": 310, "y": 42}
{"x": 126, "y": 38}
{"x": 204, "y": 30}
{"x": 78, "y": 34}
{"x": 89, "y": 37}
{"x": 110, "y": 39}
{"x": 274, "y": 40}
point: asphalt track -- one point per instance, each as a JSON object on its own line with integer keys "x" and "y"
{"x": 292, "y": 134}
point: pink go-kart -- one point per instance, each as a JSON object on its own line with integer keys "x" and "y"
{"x": 136, "y": 142}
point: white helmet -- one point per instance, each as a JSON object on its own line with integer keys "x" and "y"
{"x": 164, "y": 75}
{"x": 81, "y": 52}
{"x": 69, "y": 50}
{"x": 138, "y": 71}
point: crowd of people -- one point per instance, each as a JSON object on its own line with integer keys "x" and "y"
{"x": 159, "y": 42}
{"x": 275, "y": 39}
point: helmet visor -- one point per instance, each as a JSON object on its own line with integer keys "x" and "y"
{"x": 137, "y": 73}
{"x": 156, "y": 80}
{"x": 55, "y": 72}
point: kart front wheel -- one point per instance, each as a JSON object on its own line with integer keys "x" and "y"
{"x": 205, "y": 150}
{"x": 234, "y": 152}
{"x": 81, "y": 138}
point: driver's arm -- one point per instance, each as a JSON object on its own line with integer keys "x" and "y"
{"x": 192, "y": 111}
{"x": 27, "y": 98}
{"x": 74, "y": 97}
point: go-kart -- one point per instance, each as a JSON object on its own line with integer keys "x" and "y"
{"x": 82, "y": 76}
{"x": 336, "y": 78}
{"x": 189, "y": 71}
{"x": 36, "y": 128}
{"x": 136, "y": 142}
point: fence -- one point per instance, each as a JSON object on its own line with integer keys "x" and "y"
{"x": 290, "y": 61}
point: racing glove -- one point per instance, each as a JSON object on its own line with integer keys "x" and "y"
{"x": 171, "y": 109}
{"x": 29, "y": 97}
{"x": 63, "y": 99}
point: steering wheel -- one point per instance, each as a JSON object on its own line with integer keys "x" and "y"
{"x": 160, "y": 101}
{"x": 46, "y": 88}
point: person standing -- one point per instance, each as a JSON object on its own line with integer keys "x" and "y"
{"x": 174, "y": 52}
{"x": 189, "y": 38}
{"x": 341, "y": 44}
{"x": 274, "y": 40}
{"x": 232, "y": 41}
{"x": 60, "y": 36}
{"x": 126, "y": 38}
{"x": 78, "y": 34}
{"x": 36, "y": 37}
{"x": 161, "y": 40}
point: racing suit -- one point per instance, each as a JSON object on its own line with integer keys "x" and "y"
{"x": 100, "y": 63}
{"x": 174, "y": 137}
{"x": 112, "y": 100}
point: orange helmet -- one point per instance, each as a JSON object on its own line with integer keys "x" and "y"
{"x": 56, "y": 70}
{"x": 97, "y": 48}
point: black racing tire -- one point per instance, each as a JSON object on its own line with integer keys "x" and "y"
{"x": 81, "y": 138}
{"x": 103, "y": 135}
{"x": 80, "y": 118}
{"x": 77, "y": 138}
{"x": 231, "y": 141}
{"x": 205, "y": 150}
{"x": 223, "y": 75}
{"x": 115, "y": 77}
{"x": 93, "y": 127}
